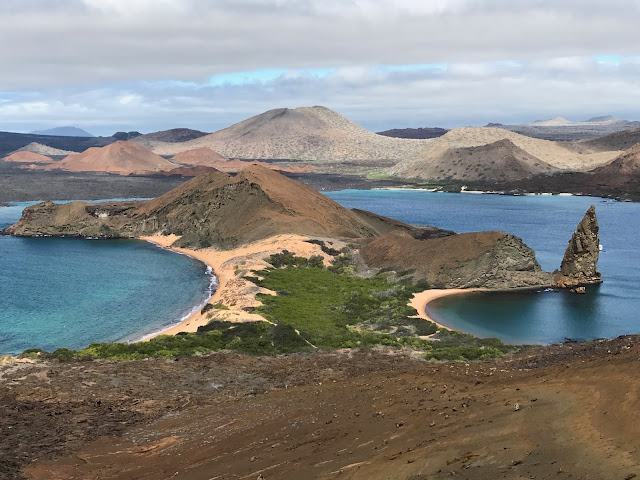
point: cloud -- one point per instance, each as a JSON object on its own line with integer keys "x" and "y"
{"x": 377, "y": 97}
{"x": 64, "y": 42}
{"x": 150, "y": 64}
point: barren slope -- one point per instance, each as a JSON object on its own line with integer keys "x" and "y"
{"x": 626, "y": 164}
{"x": 203, "y": 156}
{"x": 501, "y": 160}
{"x": 307, "y": 133}
{"x": 352, "y": 415}
{"x": 27, "y": 157}
{"x": 174, "y": 135}
{"x": 217, "y": 209}
{"x": 120, "y": 157}
{"x": 439, "y": 152}
{"x": 44, "y": 149}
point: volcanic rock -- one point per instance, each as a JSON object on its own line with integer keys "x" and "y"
{"x": 580, "y": 262}
{"x": 494, "y": 260}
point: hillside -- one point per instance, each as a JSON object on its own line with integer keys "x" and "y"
{"x": 314, "y": 134}
{"x": 615, "y": 141}
{"x": 217, "y": 209}
{"x": 560, "y": 129}
{"x": 466, "y": 260}
{"x": 36, "y": 147}
{"x": 120, "y": 157}
{"x": 454, "y": 153}
{"x": 203, "y": 156}
{"x": 416, "y": 133}
{"x": 27, "y": 157}
{"x": 173, "y": 135}
{"x": 625, "y": 165}
{"x": 501, "y": 160}
{"x": 64, "y": 132}
{"x": 10, "y": 142}
{"x": 553, "y": 122}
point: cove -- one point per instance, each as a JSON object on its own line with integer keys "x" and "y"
{"x": 65, "y": 292}
{"x": 545, "y": 223}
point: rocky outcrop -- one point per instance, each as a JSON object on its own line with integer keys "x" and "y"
{"x": 214, "y": 209}
{"x": 494, "y": 260}
{"x": 580, "y": 263}
{"x": 75, "y": 219}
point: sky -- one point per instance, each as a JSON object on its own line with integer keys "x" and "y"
{"x": 148, "y": 65}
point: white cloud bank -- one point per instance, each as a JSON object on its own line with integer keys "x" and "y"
{"x": 148, "y": 64}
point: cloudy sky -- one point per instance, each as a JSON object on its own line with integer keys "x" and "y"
{"x": 108, "y": 65}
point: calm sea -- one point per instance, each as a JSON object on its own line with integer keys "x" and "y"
{"x": 545, "y": 223}
{"x": 70, "y": 292}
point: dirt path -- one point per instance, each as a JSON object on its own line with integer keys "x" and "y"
{"x": 344, "y": 415}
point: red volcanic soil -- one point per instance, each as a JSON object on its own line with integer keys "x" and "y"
{"x": 203, "y": 156}
{"x": 566, "y": 411}
{"x": 121, "y": 157}
{"x": 27, "y": 157}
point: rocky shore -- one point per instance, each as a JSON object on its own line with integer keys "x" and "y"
{"x": 225, "y": 212}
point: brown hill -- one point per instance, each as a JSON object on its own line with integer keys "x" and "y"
{"x": 27, "y": 157}
{"x": 421, "y": 132}
{"x": 217, "y": 209}
{"x": 174, "y": 135}
{"x": 466, "y": 260}
{"x": 625, "y": 165}
{"x": 615, "y": 141}
{"x": 44, "y": 150}
{"x": 501, "y": 160}
{"x": 188, "y": 171}
{"x": 470, "y": 150}
{"x": 308, "y": 133}
{"x": 120, "y": 157}
{"x": 202, "y": 156}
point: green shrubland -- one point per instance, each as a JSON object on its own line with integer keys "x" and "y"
{"x": 316, "y": 308}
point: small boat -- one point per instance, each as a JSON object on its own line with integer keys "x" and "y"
{"x": 600, "y": 247}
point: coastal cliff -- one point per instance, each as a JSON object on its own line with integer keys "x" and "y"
{"x": 224, "y": 212}
{"x": 493, "y": 260}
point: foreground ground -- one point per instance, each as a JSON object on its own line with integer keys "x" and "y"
{"x": 568, "y": 411}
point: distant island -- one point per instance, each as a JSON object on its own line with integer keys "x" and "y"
{"x": 64, "y": 132}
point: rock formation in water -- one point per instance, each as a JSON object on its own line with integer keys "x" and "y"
{"x": 580, "y": 263}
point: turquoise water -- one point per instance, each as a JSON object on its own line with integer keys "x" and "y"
{"x": 59, "y": 292}
{"x": 545, "y": 223}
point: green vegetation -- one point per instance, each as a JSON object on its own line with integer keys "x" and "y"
{"x": 213, "y": 306}
{"x": 255, "y": 338}
{"x": 316, "y": 307}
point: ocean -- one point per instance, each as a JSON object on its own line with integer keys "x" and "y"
{"x": 545, "y": 223}
{"x": 65, "y": 292}
{"x": 70, "y": 292}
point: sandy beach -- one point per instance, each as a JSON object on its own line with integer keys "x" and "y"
{"x": 229, "y": 266}
{"x": 422, "y": 299}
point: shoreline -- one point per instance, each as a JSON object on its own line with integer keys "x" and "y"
{"x": 228, "y": 268}
{"x": 421, "y": 300}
